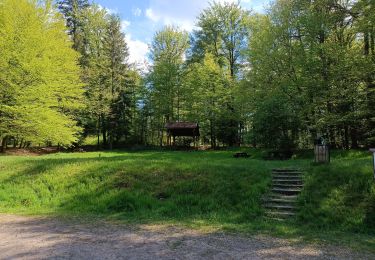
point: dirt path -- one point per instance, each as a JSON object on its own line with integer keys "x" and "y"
{"x": 42, "y": 238}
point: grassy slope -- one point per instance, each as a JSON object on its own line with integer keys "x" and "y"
{"x": 195, "y": 188}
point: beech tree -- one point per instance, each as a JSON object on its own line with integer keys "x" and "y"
{"x": 39, "y": 77}
{"x": 314, "y": 53}
{"x": 167, "y": 52}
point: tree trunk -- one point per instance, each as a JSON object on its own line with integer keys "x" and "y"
{"x": 3, "y": 145}
{"x": 98, "y": 131}
{"x": 370, "y": 88}
{"x": 161, "y": 138}
{"x": 104, "y": 135}
{"x": 346, "y": 137}
{"x": 21, "y": 144}
{"x": 110, "y": 141}
{"x": 354, "y": 138}
{"x": 212, "y": 135}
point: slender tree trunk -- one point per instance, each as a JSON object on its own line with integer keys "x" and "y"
{"x": 354, "y": 137}
{"x": 3, "y": 140}
{"x": 161, "y": 138}
{"x": 98, "y": 131}
{"x": 368, "y": 38}
{"x": 212, "y": 135}
{"x": 21, "y": 144}
{"x": 104, "y": 131}
{"x": 104, "y": 135}
{"x": 110, "y": 140}
{"x": 346, "y": 137}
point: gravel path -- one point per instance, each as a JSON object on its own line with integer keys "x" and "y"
{"x": 46, "y": 238}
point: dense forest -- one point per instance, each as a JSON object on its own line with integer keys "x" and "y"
{"x": 278, "y": 80}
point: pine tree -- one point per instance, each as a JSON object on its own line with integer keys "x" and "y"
{"x": 117, "y": 54}
{"x": 71, "y": 9}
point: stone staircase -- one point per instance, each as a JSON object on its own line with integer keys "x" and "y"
{"x": 282, "y": 201}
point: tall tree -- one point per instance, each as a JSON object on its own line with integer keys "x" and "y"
{"x": 223, "y": 32}
{"x": 71, "y": 9}
{"x": 207, "y": 94}
{"x": 167, "y": 52}
{"x": 39, "y": 80}
{"x": 116, "y": 51}
{"x": 95, "y": 62}
{"x": 364, "y": 20}
{"x": 310, "y": 52}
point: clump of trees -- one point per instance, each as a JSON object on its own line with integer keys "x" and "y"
{"x": 281, "y": 79}
{"x": 320, "y": 57}
{"x": 40, "y": 89}
{"x": 110, "y": 82}
{"x": 278, "y": 80}
{"x": 64, "y": 74}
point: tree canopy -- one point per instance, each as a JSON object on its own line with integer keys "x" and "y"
{"x": 301, "y": 70}
{"x": 39, "y": 77}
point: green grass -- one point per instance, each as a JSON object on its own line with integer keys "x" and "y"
{"x": 200, "y": 189}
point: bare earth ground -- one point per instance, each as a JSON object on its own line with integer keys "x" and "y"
{"x": 42, "y": 238}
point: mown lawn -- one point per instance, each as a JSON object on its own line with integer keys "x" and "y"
{"x": 207, "y": 189}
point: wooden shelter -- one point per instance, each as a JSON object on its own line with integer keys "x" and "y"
{"x": 187, "y": 129}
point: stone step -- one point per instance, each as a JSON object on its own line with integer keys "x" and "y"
{"x": 276, "y": 218}
{"x": 296, "y": 174}
{"x": 282, "y": 181}
{"x": 280, "y": 214}
{"x": 286, "y": 177}
{"x": 281, "y": 201}
{"x": 282, "y": 207}
{"x": 287, "y": 185}
{"x": 285, "y": 170}
{"x": 283, "y": 196}
{"x": 286, "y": 191}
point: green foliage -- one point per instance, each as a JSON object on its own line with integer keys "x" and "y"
{"x": 167, "y": 52}
{"x": 222, "y": 32}
{"x": 207, "y": 86}
{"x": 312, "y": 52}
{"x": 303, "y": 69}
{"x": 39, "y": 78}
{"x": 274, "y": 123}
{"x": 111, "y": 83}
{"x": 71, "y": 9}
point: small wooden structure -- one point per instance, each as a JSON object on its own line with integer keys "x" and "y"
{"x": 187, "y": 129}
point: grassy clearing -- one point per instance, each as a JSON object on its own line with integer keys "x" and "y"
{"x": 201, "y": 189}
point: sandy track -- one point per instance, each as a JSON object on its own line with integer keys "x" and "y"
{"x": 46, "y": 238}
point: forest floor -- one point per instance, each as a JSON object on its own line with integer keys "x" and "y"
{"x": 53, "y": 238}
